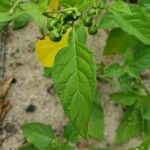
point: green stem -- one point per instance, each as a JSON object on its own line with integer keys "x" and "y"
{"x": 14, "y": 6}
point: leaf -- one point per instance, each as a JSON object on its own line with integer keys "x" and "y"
{"x": 28, "y": 148}
{"x": 21, "y": 21}
{"x": 81, "y": 4}
{"x": 120, "y": 6}
{"x": 5, "y": 16}
{"x": 142, "y": 57}
{"x": 6, "y": 5}
{"x": 46, "y": 49}
{"x": 38, "y": 134}
{"x": 35, "y": 10}
{"x": 146, "y": 114}
{"x": 107, "y": 22}
{"x": 71, "y": 134}
{"x": 137, "y": 23}
{"x": 74, "y": 79}
{"x": 113, "y": 70}
{"x": 129, "y": 127}
{"x": 96, "y": 123}
{"x": 82, "y": 32}
{"x": 125, "y": 98}
{"x": 54, "y": 4}
{"x": 118, "y": 42}
{"x": 125, "y": 82}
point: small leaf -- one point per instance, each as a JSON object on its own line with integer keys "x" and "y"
{"x": 75, "y": 81}
{"x": 38, "y": 134}
{"x": 113, "y": 70}
{"x": 118, "y": 42}
{"x": 125, "y": 98}
{"x": 21, "y": 21}
{"x": 129, "y": 127}
{"x": 35, "y": 10}
{"x": 137, "y": 23}
{"x": 107, "y": 22}
{"x": 47, "y": 50}
{"x": 96, "y": 123}
{"x": 120, "y": 6}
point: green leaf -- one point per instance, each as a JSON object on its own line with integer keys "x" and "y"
{"x": 146, "y": 114}
{"x": 74, "y": 78}
{"x": 113, "y": 70}
{"x": 107, "y": 22}
{"x": 81, "y": 4}
{"x": 72, "y": 2}
{"x": 82, "y": 32}
{"x": 96, "y": 123}
{"x": 35, "y": 10}
{"x": 5, "y": 16}
{"x": 121, "y": 7}
{"x": 21, "y": 21}
{"x": 125, "y": 82}
{"x": 137, "y": 23}
{"x": 125, "y": 98}
{"x": 142, "y": 58}
{"x": 71, "y": 134}
{"x": 119, "y": 41}
{"x": 5, "y": 5}
{"x": 28, "y": 148}
{"x": 38, "y": 134}
{"x": 129, "y": 127}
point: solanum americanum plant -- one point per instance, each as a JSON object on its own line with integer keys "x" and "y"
{"x": 66, "y": 25}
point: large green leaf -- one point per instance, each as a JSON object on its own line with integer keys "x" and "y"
{"x": 96, "y": 123}
{"x": 38, "y": 134}
{"x": 136, "y": 23}
{"x": 119, "y": 41}
{"x": 129, "y": 127}
{"x": 74, "y": 79}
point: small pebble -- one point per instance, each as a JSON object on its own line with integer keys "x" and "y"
{"x": 31, "y": 108}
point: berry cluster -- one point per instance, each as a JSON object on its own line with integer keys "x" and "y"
{"x": 57, "y": 26}
{"x": 89, "y": 20}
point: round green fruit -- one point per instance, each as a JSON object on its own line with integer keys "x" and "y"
{"x": 92, "y": 30}
{"x": 55, "y": 37}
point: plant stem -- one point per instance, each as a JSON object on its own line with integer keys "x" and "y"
{"x": 14, "y": 6}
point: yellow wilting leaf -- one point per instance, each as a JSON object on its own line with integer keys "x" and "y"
{"x": 54, "y": 5}
{"x": 47, "y": 49}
